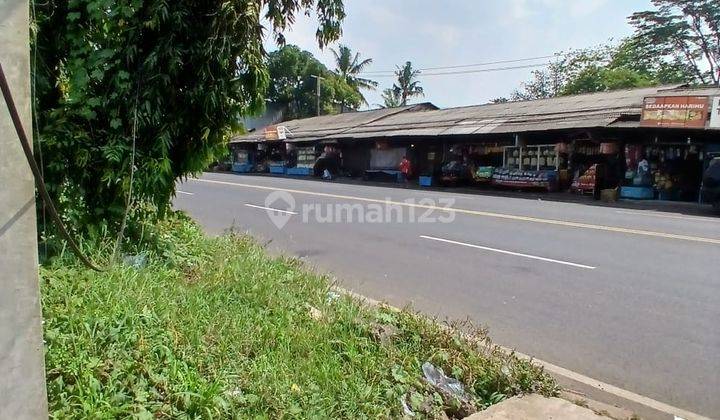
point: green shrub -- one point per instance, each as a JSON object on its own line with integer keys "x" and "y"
{"x": 215, "y": 328}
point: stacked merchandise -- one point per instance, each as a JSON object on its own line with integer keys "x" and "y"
{"x": 664, "y": 183}
{"x": 586, "y": 181}
{"x": 455, "y": 171}
{"x": 513, "y": 160}
{"x": 483, "y": 173}
{"x": 304, "y": 161}
{"x": 524, "y": 179}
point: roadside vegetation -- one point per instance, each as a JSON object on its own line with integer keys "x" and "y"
{"x": 191, "y": 326}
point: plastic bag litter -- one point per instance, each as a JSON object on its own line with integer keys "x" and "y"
{"x": 437, "y": 378}
{"x": 332, "y": 296}
{"x": 406, "y": 409}
{"x": 135, "y": 261}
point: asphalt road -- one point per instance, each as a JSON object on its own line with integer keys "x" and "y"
{"x": 628, "y": 297}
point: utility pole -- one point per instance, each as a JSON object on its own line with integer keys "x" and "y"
{"x": 22, "y": 388}
{"x": 318, "y": 78}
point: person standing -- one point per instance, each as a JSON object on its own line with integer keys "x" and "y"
{"x": 405, "y": 168}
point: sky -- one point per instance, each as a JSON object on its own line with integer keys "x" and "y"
{"x": 432, "y": 33}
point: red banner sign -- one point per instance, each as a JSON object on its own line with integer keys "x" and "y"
{"x": 675, "y": 111}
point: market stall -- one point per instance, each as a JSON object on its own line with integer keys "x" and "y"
{"x": 384, "y": 163}
{"x": 596, "y": 167}
{"x": 243, "y": 157}
{"x": 302, "y": 161}
{"x": 663, "y": 171}
{"x": 534, "y": 167}
{"x": 471, "y": 163}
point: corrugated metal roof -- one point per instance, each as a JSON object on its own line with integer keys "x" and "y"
{"x": 323, "y": 126}
{"x": 592, "y": 110}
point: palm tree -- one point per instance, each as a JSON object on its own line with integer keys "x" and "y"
{"x": 348, "y": 67}
{"x": 391, "y": 97}
{"x": 408, "y": 86}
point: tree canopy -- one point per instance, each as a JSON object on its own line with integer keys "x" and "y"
{"x": 391, "y": 98}
{"x": 407, "y": 86}
{"x": 679, "y": 42}
{"x": 189, "y": 70}
{"x": 293, "y": 86}
{"x": 348, "y": 67}
{"x": 685, "y": 32}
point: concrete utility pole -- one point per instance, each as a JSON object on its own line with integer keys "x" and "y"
{"x": 22, "y": 368}
{"x": 318, "y": 78}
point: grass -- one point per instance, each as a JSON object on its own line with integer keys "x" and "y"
{"x": 216, "y": 328}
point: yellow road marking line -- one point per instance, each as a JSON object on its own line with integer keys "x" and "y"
{"x": 478, "y": 213}
{"x": 670, "y": 216}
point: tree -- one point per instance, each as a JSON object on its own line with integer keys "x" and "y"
{"x": 391, "y": 98}
{"x": 596, "y": 78}
{"x": 567, "y": 66}
{"x": 623, "y": 65}
{"x": 685, "y": 32}
{"x": 348, "y": 67}
{"x": 172, "y": 80}
{"x": 292, "y": 84}
{"x": 499, "y": 100}
{"x": 544, "y": 84}
{"x": 407, "y": 85}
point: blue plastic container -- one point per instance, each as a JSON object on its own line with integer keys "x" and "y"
{"x": 299, "y": 171}
{"x": 242, "y": 167}
{"x": 277, "y": 169}
{"x": 638, "y": 193}
{"x": 425, "y": 181}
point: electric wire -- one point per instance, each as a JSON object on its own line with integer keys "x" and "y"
{"x": 529, "y": 66}
{"x": 517, "y": 60}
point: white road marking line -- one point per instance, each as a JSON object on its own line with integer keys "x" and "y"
{"x": 479, "y": 213}
{"x": 669, "y": 216}
{"x": 502, "y": 251}
{"x": 185, "y": 192}
{"x": 554, "y": 369}
{"x": 271, "y": 209}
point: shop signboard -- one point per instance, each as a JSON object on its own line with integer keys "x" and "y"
{"x": 675, "y": 111}
{"x": 275, "y": 132}
{"x": 715, "y": 113}
{"x": 271, "y": 132}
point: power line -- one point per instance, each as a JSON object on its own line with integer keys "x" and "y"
{"x": 529, "y": 66}
{"x": 518, "y": 60}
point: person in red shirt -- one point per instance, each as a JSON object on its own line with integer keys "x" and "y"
{"x": 405, "y": 168}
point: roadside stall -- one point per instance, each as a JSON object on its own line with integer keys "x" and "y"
{"x": 243, "y": 156}
{"x": 596, "y": 167}
{"x": 301, "y": 159}
{"x": 274, "y": 150}
{"x": 663, "y": 171}
{"x": 384, "y": 163}
{"x": 671, "y": 167}
{"x": 530, "y": 167}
